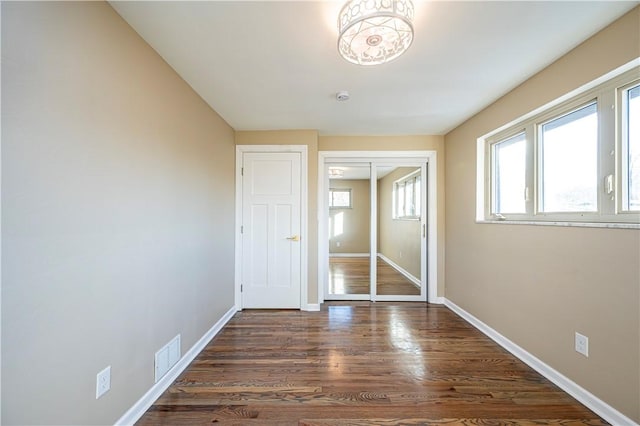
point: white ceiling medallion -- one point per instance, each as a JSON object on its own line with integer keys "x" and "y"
{"x": 375, "y": 31}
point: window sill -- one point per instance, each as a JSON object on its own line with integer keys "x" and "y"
{"x": 567, "y": 224}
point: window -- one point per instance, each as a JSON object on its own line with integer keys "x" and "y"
{"x": 574, "y": 160}
{"x": 631, "y": 148}
{"x": 569, "y": 166}
{"x": 406, "y": 197}
{"x": 509, "y": 157}
{"x": 340, "y": 198}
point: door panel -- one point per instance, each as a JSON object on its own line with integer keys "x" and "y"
{"x": 349, "y": 232}
{"x": 258, "y": 250}
{"x": 271, "y": 249}
{"x": 285, "y": 249}
{"x": 399, "y": 255}
{"x": 393, "y": 264}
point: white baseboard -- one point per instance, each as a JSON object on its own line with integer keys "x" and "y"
{"x": 312, "y": 307}
{"x": 591, "y": 401}
{"x": 414, "y": 280}
{"x": 348, "y": 254}
{"x": 142, "y": 405}
{"x": 438, "y": 300}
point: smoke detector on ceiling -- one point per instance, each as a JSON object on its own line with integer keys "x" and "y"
{"x": 342, "y": 96}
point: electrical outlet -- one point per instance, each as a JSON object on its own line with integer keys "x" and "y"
{"x": 103, "y": 382}
{"x": 338, "y": 243}
{"x": 582, "y": 344}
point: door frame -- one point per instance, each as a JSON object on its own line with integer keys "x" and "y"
{"x": 304, "y": 216}
{"x": 428, "y": 157}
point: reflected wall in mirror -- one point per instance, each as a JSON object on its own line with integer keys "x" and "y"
{"x": 399, "y": 231}
{"x": 349, "y": 226}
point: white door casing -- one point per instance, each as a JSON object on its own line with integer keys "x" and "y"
{"x": 269, "y": 262}
{"x": 429, "y": 269}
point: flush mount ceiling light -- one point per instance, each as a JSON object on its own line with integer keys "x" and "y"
{"x": 374, "y": 31}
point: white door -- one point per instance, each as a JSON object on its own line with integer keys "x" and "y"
{"x": 271, "y": 219}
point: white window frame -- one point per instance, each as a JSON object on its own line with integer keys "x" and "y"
{"x": 622, "y": 181}
{"x": 345, "y": 190}
{"x": 490, "y": 148}
{"x": 608, "y": 92}
{"x": 414, "y": 176}
{"x": 604, "y": 143}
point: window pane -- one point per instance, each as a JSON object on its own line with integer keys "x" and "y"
{"x": 510, "y": 159}
{"x": 570, "y": 162}
{"x": 340, "y": 198}
{"x": 400, "y": 200}
{"x": 417, "y": 197}
{"x": 633, "y": 147}
{"x": 410, "y": 208}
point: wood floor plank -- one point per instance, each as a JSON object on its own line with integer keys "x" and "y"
{"x": 361, "y": 364}
{"x": 449, "y": 422}
{"x": 351, "y": 275}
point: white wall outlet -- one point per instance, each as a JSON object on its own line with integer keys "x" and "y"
{"x": 338, "y": 243}
{"x": 103, "y": 382}
{"x": 167, "y": 357}
{"x": 582, "y": 344}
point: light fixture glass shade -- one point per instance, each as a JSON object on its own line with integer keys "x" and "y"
{"x": 335, "y": 172}
{"x": 375, "y": 31}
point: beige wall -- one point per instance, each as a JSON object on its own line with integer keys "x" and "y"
{"x": 117, "y": 212}
{"x": 356, "y": 220}
{"x": 402, "y": 143}
{"x": 398, "y": 240}
{"x": 538, "y": 285}
{"x": 310, "y": 139}
{"x": 316, "y": 143}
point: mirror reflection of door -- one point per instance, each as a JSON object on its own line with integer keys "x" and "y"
{"x": 349, "y": 230}
{"x": 398, "y": 260}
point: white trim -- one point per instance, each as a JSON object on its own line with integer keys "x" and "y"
{"x": 1, "y": 230}
{"x": 238, "y": 235}
{"x": 334, "y": 297}
{"x": 591, "y": 401}
{"x": 348, "y": 254}
{"x": 572, "y": 94}
{"x": 304, "y": 228}
{"x": 430, "y": 269}
{"x": 312, "y": 307}
{"x": 373, "y": 232}
{"x": 323, "y": 228}
{"x": 438, "y": 300}
{"x": 612, "y": 225}
{"x": 304, "y": 215}
{"x": 414, "y": 280}
{"x": 481, "y": 179}
{"x": 138, "y": 409}
{"x": 602, "y": 90}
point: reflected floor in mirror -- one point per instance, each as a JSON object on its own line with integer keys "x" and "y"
{"x": 360, "y": 363}
{"x": 350, "y": 275}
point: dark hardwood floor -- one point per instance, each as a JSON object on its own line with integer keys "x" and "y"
{"x": 360, "y": 363}
{"x": 350, "y": 275}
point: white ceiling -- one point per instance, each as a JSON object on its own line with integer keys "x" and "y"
{"x": 269, "y": 65}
